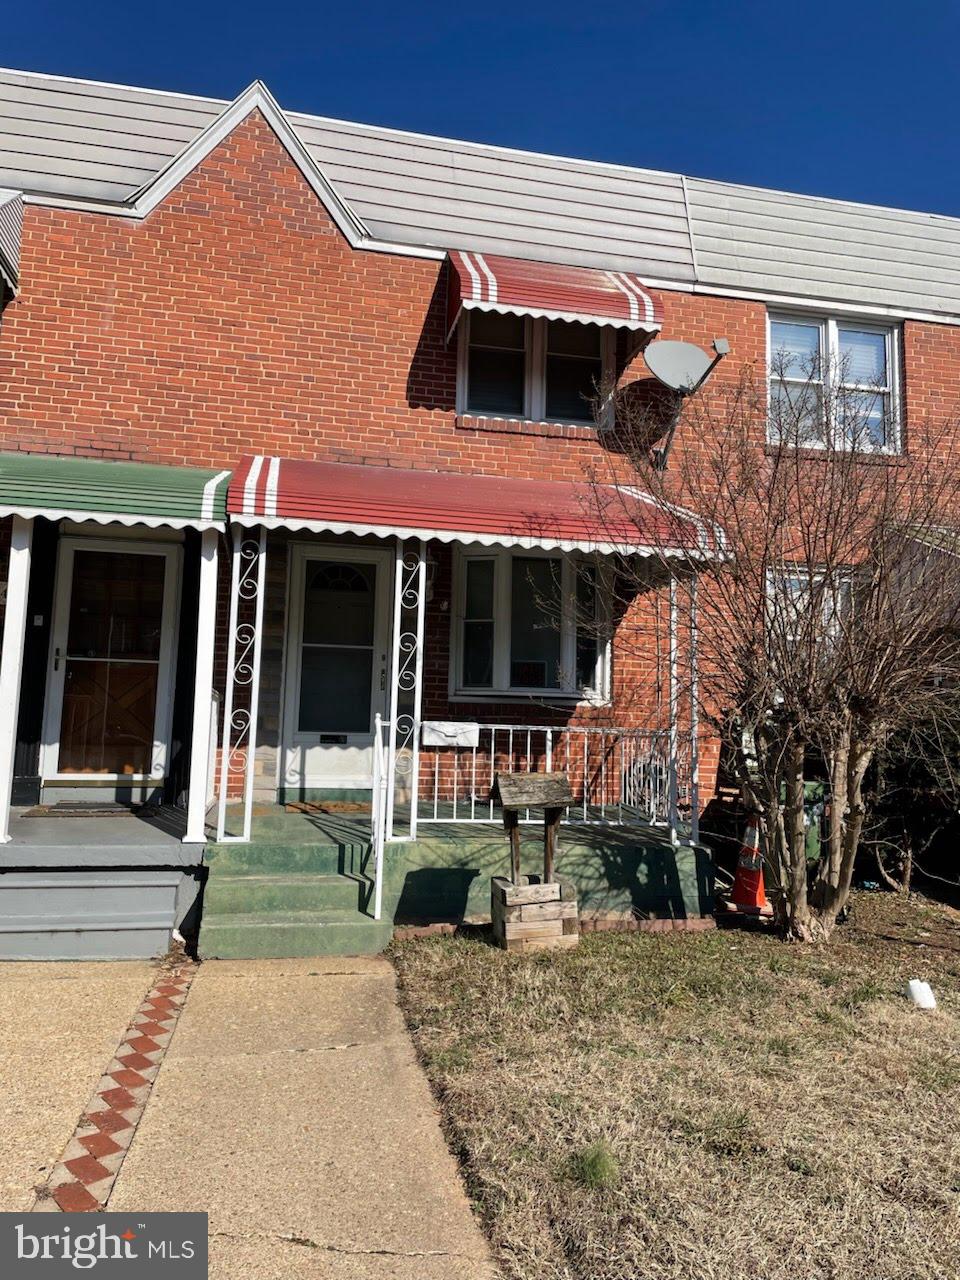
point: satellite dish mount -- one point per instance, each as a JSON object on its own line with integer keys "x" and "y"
{"x": 683, "y": 367}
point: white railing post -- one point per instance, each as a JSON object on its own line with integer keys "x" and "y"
{"x": 378, "y": 814}
{"x": 203, "y": 721}
{"x": 694, "y": 719}
{"x": 11, "y": 659}
{"x": 674, "y": 707}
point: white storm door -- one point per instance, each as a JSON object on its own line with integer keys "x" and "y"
{"x": 110, "y": 675}
{"x": 337, "y": 664}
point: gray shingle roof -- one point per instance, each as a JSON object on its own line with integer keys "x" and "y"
{"x": 85, "y": 140}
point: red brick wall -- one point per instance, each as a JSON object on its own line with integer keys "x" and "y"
{"x": 236, "y": 319}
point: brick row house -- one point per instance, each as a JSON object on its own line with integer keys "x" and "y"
{"x": 304, "y": 540}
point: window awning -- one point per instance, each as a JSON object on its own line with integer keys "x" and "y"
{"x": 130, "y": 493}
{"x": 11, "y": 226}
{"x": 485, "y": 282}
{"x": 337, "y": 497}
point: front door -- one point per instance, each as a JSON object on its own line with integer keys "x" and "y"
{"x": 111, "y": 662}
{"x": 336, "y": 665}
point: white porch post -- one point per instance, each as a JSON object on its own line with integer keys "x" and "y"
{"x": 394, "y": 683}
{"x": 11, "y": 659}
{"x": 244, "y": 649}
{"x": 203, "y": 689}
{"x": 674, "y": 707}
{"x": 694, "y": 718}
{"x": 406, "y": 678}
{"x": 251, "y": 761}
{"x": 418, "y": 687}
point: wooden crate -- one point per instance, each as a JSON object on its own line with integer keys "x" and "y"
{"x": 532, "y": 915}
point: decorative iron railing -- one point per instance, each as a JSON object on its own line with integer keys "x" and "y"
{"x": 617, "y": 774}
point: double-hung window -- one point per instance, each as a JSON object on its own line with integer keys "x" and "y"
{"x": 834, "y": 383}
{"x": 530, "y": 623}
{"x": 530, "y": 368}
{"x": 803, "y": 604}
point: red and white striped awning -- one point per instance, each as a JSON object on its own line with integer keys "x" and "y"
{"x": 386, "y": 502}
{"x": 486, "y": 282}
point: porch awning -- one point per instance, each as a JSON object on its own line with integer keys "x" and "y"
{"x": 337, "y": 497}
{"x": 130, "y": 493}
{"x": 486, "y": 282}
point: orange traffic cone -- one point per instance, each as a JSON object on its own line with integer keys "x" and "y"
{"x": 748, "y": 895}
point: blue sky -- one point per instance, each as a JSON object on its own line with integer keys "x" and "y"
{"x": 847, "y": 99}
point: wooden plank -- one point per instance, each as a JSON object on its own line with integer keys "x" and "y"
{"x": 536, "y": 911}
{"x": 532, "y": 790}
{"x": 561, "y": 941}
{"x": 513, "y": 895}
{"x": 532, "y": 928}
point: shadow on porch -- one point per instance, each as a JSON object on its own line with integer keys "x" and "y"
{"x": 305, "y": 878}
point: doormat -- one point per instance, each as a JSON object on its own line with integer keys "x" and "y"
{"x": 82, "y": 1179}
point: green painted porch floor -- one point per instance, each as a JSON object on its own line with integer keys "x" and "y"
{"x": 303, "y": 887}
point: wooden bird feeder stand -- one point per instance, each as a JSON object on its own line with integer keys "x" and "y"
{"x": 532, "y": 912}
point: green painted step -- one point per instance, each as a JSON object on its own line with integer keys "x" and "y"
{"x": 293, "y": 933}
{"x": 244, "y": 893}
{"x": 275, "y": 856}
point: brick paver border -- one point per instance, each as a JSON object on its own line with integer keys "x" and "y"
{"x": 82, "y": 1179}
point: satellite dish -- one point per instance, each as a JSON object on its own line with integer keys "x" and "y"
{"x": 682, "y": 366}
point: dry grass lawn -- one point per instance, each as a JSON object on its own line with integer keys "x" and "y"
{"x": 710, "y": 1106}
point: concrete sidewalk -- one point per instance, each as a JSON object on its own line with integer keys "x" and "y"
{"x": 59, "y": 1026}
{"x": 291, "y": 1108}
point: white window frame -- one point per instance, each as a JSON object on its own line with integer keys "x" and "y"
{"x": 833, "y": 610}
{"x": 535, "y": 373}
{"x": 830, "y": 326}
{"x": 501, "y": 689}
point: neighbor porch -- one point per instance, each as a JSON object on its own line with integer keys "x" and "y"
{"x": 341, "y": 658}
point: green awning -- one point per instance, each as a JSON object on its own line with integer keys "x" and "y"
{"x": 33, "y": 484}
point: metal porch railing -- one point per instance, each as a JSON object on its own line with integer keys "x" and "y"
{"x": 617, "y": 774}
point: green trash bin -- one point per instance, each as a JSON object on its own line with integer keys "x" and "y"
{"x": 815, "y": 796}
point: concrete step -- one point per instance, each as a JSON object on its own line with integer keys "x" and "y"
{"x": 268, "y": 856}
{"x": 229, "y": 893}
{"x": 249, "y": 935}
{"x": 324, "y": 826}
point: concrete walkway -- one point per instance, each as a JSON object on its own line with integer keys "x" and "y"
{"x": 291, "y": 1108}
{"x": 59, "y": 1026}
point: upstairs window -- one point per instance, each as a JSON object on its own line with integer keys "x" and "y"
{"x": 530, "y": 623}
{"x": 534, "y": 369}
{"x": 496, "y": 376}
{"x": 834, "y": 383}
{"x": 808, "y": 608}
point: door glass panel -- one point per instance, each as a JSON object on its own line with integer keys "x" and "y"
{"x": 335, "y": 690}
{"x": 339, "y": 626}
{"x": 109, "y": 709}
{"x": 112, "y": 663}
{"x": 116, "y": 606}
{"x": 338, "y": 605}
